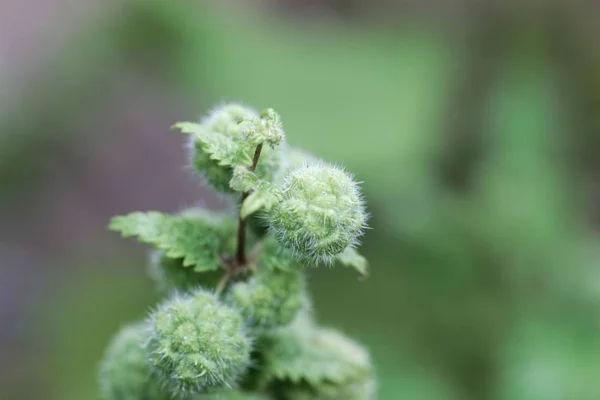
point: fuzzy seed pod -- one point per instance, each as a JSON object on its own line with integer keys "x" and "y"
{"x": 225, "y": 120}
{"x": 197, "y": 343}
{"x": 125, "y": 373}
{"x": 170, "y": 274}
{"x": 269, "y": 299}
{"x": 321, "y": 212}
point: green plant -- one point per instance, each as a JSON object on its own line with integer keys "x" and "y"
{"x": 236, "y": 322}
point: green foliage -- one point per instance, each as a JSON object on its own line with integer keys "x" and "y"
{"x": 197, "y": 343}
{"x": 227, "y": 138}
{"x": 321, "y": 212}
{"x": 231, "y": 395}
{"x": 196, "y": 237}
{"x": 351, "y": 258}
{"x": 276, "y": 257}
{"x": 236, "y": 322}
{"x": 270, "y": 298}
{"x": 125, "y": 372}
{"x": 170, "y": 274}
{"x": 308, "y": 362}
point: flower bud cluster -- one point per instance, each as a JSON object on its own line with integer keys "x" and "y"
{"x": 238, "y": 326}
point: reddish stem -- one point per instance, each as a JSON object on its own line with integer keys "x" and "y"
{"x": 240, "y": 258}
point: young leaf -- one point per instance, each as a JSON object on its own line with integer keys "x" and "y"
{"x": 227, "y": 139}
{"x": 266, "y": 129}
{"x": 227, "y": 150}
{"x": 351, "y": 258}
{"x": 196, "y": 237}
{"x": 264, "y": 197}
{"x": 275, "y": 257}
{"x": 269, "y": 299}
{"x": 169, "y": 274}
{"x": 306, "y": 354}
{"x": 243, "y": 180}
{"x": 232, "y": 394}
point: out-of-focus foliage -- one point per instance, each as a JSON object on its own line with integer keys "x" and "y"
{"x": 477, "y": 161}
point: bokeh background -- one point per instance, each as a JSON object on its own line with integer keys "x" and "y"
{"x": 474, "y": 126}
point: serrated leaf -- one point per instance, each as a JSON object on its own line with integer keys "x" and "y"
{"x": 305, "y": 353}
{"x": 243, "y": 180}
{"x": 351, "y": 258}
{"x": 196, "y": 238}
{"x": 227, "y": 150}
{"x": 276, "y": 257}
{"x": 262, "y": 198}
{"x": 231, "y": 394}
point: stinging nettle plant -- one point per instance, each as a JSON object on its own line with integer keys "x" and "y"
{"x": 236, "y": 321}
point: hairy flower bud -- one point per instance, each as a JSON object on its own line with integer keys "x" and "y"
{"x": 266, "y": 129}
{"x": 321, "y": 212}
{"x": 227, "y": 121}
{"x": 270, "y": 298}
{"x": 125, "y": 372}
{"x": 198, "y": 343}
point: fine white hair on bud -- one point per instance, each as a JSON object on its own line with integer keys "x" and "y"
{"x": 265, "y": 129}
{"x": 321, "y": 212}
{"x": 270, "y": 298}
{"x": 197, "y": 343}
{"x": 222, "y": 120}
{"x": 237, "y": 322}
{"x": 229, "y": 125}
{"x": 125, "y": 372}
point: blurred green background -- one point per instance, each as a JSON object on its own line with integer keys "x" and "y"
{"x": 473, "y": 125}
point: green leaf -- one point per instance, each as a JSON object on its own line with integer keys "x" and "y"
{"x": 275, "y": 257}
{"x": 243, "y": 180}
{"x": 264, "y": 197}
{"x": 227, "y": 150}
{"x": 266, "y": 129}
{"x": 305, "y": 353}
{"x": 231, "y": 394}
{"x": 351, "y": 258}
{"x": 196, "y": 237}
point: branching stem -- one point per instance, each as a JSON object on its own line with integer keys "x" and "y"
{"x": 240, "y": 258}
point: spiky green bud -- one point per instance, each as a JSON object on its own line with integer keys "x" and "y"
{"x": 320, "y": 214}
{"x": 125, "y": 372}
{"x": 269, "y": 299}
{"x": 303, "y": 361}
{"x": 170, "y": 274}
{"x": 266, "y": 129}
{"x": 233, "y": 131}
{"x": 198, "y": 343}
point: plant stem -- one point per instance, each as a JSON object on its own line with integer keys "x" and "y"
{"x": 240, "y": 258}
{"x": 222, "y": 284}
